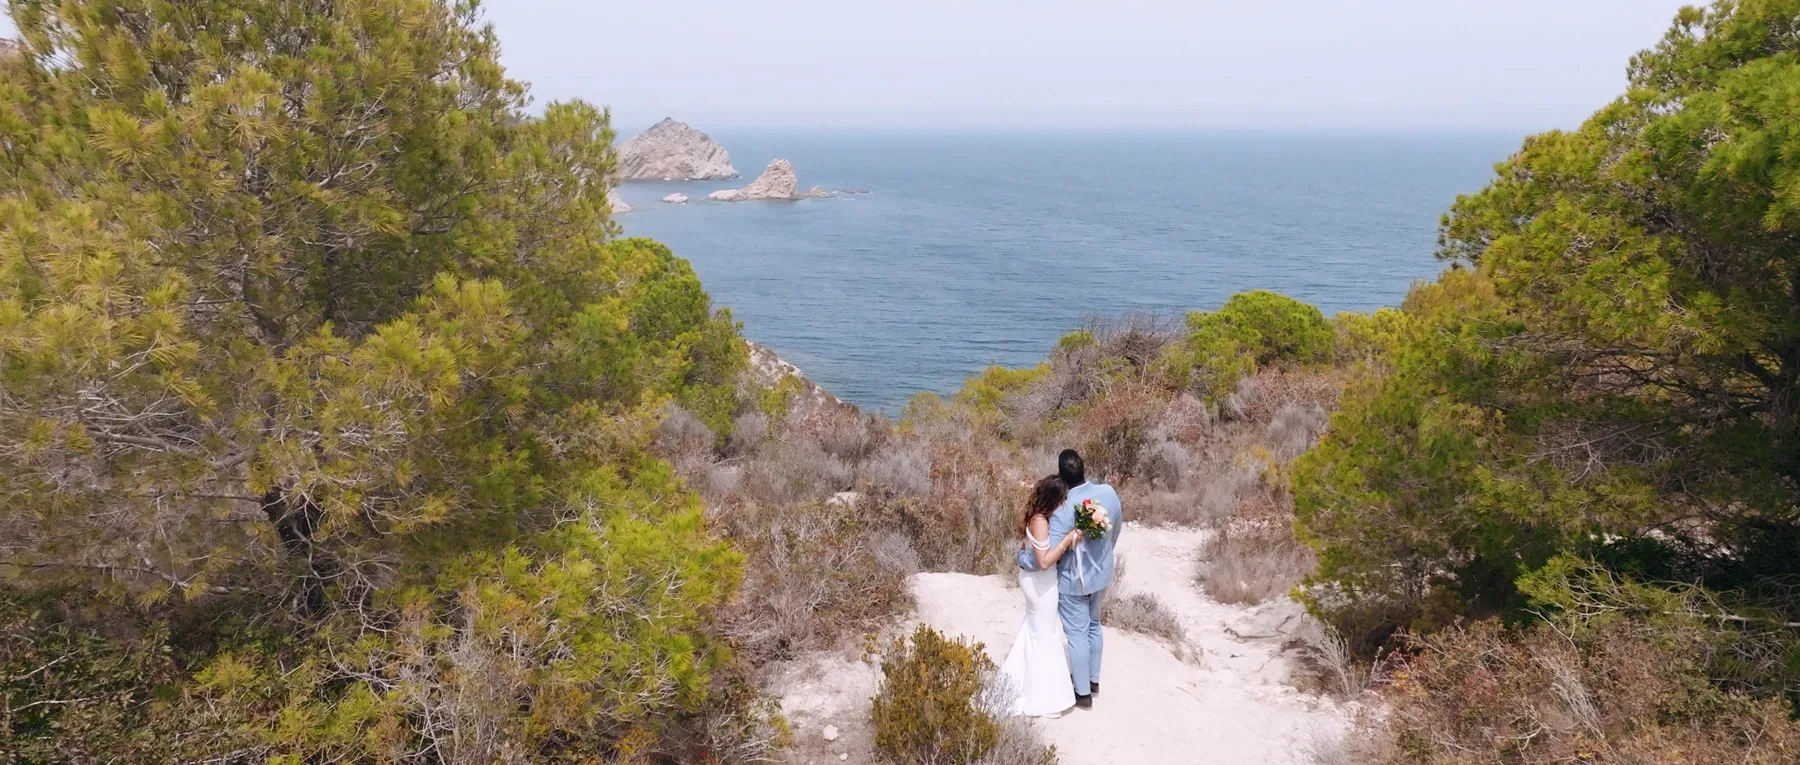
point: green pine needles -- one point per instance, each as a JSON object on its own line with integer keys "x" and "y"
{"x": 303, "y": 317}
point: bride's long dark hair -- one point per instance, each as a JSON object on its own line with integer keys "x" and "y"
{"x": 1046, "y": 496}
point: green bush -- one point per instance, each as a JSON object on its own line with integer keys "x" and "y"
{"x": 928, "y": 710}
{"x": 1254, "y": 329}
{"x": 987, "y": 392}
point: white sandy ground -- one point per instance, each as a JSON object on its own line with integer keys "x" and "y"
{"x": 1231, "y": 706}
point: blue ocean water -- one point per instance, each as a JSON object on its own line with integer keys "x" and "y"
{"x": 979, "y": 248}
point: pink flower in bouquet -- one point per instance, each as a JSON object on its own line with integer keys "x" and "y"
{"x": 1091, "y": 519}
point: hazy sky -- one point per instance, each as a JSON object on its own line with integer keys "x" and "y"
{"x": 1506, "y": 64}
{"x": 1503, "y": 64}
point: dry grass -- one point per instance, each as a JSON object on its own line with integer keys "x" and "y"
{"x": 901, "y": 468}
{"x": 1142, "y": 613}
{"x": 1616, "y": 690}
{"x": 1338, "y": 669}
{"x": 1016, "y": 742}
{"x": 1253, "y": 562}
{"x": 1323, "y": 748}
{"x": 814, "y": 574}
{"x": 795, "y": 471}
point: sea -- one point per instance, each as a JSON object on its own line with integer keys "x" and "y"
{"x": 977, "y": 248}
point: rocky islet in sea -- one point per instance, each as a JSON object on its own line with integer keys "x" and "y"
{"x": 670, "y": 151}
{"x": 776, "y": 182}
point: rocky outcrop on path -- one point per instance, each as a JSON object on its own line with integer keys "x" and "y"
{"x": 676, "y": 199}
{"x": 672, "y": 151}
{"x": 776, "y": 182}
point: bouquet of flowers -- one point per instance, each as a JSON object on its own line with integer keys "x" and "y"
{"x": 1091, "y": 520}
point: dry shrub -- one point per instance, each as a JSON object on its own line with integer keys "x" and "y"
{"x": 1626, "y": 690}
{"x": 1165, "y": 508}
{"x": 1111, "y": 432}
{"x": 1164, "y": 465}
{"x": 1252, "y": 562}
{"x": 841, "y": 430}
{"x": 1142, "y": 613}
{"x": 967, "y": 525}
{"x": 901, "y": 468}
{"x": 1227, "y": 484}
{"x": 1331, "y": 659}
{"x": 681, "y": 434}
{"x": 813, "y": 574}
{"x": 1239, "y": 406}
{"x": 957, "y": 499}
{"x": 717, "y": 482}
{"x": 1184, "y": 420}
{"x": 748, "y": 431}
{"x": 1277, "y": 387}
{"x": 1323, "y": 748}
{"x": 942, "y": 702}
{"x": 1017, "y": 743}
{"x": 1077, "y": 374}
{"x": 1293, "y": 429}
{"x": 739, "y": 724}
{"x": 789, "y": 471}
{"x": 1137, "y": 339}
{"x": 1091, "y": 364}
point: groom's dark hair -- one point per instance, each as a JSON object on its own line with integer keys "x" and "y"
{"x": 1070, "y": 468}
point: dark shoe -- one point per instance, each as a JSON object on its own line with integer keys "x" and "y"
{"x": 1094, "y": 688}
{"x": 1085, "y": 702}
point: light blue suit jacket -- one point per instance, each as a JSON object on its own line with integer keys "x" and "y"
{"x": 1091, "y": 570}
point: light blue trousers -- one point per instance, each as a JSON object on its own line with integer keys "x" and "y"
{"x": 1081, "y": 623}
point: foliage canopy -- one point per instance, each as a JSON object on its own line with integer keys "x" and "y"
{"x": 300, "y": 308}
{"x": 1610, "y": 370}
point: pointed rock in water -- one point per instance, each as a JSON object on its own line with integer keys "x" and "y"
{"x": 776, "y": 182}
{"x": 618, "y": 205}
{"x": 672, "y": 150}
{"x": 676, "y": 199}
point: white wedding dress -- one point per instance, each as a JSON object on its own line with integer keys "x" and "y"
{"x": 1037, "y": 668}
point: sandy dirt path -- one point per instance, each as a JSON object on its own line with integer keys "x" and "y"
{"x": 1233, "y": 705}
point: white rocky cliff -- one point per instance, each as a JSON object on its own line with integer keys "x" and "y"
{"x": 776, "y": 182}
{"x": 618, "y": 204}
{"x": 671, "y": 150}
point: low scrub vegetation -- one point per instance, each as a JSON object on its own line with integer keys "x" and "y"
{"x": 941, "y": 703}
{"x": 1626, "y": 673}
{"x": 835, "y": 508}
{"x": 1251, "y": 562}
{"x": 1144, "y": 614}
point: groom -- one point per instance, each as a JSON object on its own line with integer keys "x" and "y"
{"x": 1082, "y": 576}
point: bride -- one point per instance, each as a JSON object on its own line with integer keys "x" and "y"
{"x": 1036, "y": 667}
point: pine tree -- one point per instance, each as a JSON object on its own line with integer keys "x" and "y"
{"x": 301, "y": 308}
